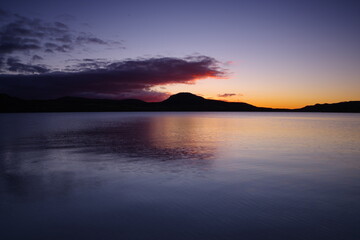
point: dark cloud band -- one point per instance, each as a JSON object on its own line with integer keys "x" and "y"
{"x": 121, "y": 79}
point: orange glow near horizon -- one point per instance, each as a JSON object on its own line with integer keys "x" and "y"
{"x": 276, "y": 91}
{"x": 276, "y": 85}
{"x": 279, "y": 102}
{"x": 290, "y": 103}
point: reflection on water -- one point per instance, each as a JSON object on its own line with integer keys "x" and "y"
{"x": 160, "y": 139}
{"x": 180, "y": 176}
{"x": 50, "y": 159}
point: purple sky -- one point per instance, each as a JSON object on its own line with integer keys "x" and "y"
{"x": 268, "y": 53}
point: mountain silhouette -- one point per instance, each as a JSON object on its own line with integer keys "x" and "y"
{"x": 352, "y": 106}
{"x": 184, "y": 98}
{"x": 189, "y": 102}
{"x": 179, "y": 102}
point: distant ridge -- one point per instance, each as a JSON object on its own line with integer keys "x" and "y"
{"x": 352, "y": 106}
{"x": 179, "y": 102}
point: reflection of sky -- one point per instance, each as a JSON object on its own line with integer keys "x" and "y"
{"x": 138, "y": 139}
{"x": 44, "y": 150}
{"x": 286, "y": 53}
{"x": 78, "y": 146}
{"x": 180, "y": 175}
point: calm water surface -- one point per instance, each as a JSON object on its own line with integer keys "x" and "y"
{"x": 180, "y": 176}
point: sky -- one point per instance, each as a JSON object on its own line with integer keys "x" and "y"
{"x": 274, "y": 53}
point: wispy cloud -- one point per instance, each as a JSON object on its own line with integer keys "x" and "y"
{"x": 14, "y": 65}
{"x": 21, "y": 36}
{"x": 225, "y": 95}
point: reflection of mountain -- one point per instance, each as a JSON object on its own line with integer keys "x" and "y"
{"x": 177, "y": 102}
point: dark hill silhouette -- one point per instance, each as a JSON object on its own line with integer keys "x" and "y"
{"x": 177, "y": 102}
{"x": 189, "y": 102}
{"x": 7, "y": 98}
{"x": 8, "y": 102}
{"x": 352, "y": 106}
{"x": 184, "y": 98}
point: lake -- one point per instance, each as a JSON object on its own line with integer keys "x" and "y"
{"x": 180, "y": 176}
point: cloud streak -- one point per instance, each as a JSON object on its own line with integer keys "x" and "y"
{"x": 19, "y": 34}
{"x": 22, "y": 36}
{"x": 116, "y": 80}
{"x": 225, "y": 95}
{"x": 14, "y": 65}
